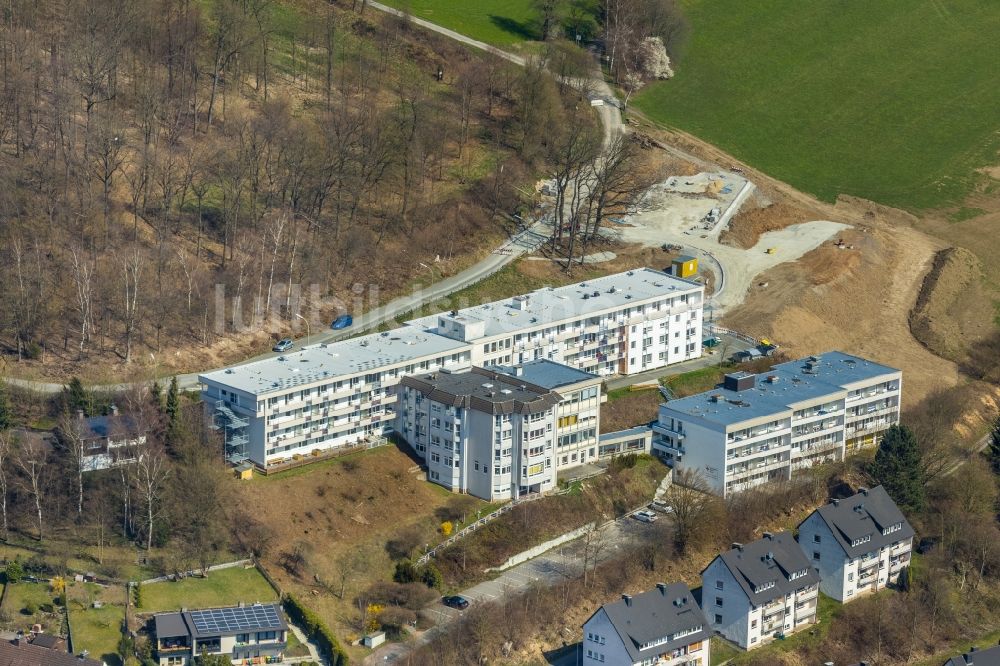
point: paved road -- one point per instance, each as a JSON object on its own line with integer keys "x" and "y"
{"x": 729, "y": 343}
{"x": 561, "y": 563}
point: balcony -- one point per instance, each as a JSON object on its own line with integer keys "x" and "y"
{"x": 676, "y": 433}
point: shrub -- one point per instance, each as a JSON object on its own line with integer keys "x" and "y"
{"x": 14, "y": 572}
{"x": 394, "y": 618}
{"x": 446, "y": 528}
{"x": 316, "y": 630}
{"x": 405, "y": 572}
{"x": 30, "y": 608}
{"x": 413, "y": 596}
{"x": 432, "y": 577}
{"x": 138, "y": 594}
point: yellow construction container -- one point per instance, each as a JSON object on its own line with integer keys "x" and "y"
{"x": 243, "y": 471}
{"x": 684, "y": 266}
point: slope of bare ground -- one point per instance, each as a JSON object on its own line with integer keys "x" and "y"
{"x": 855, "y": 300}
{"x": 746, "y": 227}
{"x": 941, "y": 312}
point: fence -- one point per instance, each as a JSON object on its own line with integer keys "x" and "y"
{"x": 480, "y": 523}
{"x": 715, "y": 329}
{"x": 195, "y": 572}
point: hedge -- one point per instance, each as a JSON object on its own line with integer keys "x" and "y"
{"x": 316, "y": 630}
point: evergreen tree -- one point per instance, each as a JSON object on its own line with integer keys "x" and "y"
{"x": 6, "y": 415}
{"x": 75, "y": 397}
{"x": 156, "y": 395}
{"x": 993, "y": 450}
{"x": 174, "y": 434}
{"x": 898, "y": 468}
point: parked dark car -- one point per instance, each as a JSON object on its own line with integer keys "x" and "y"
{"x": 343, "y": 321}
{"x": 283, "y": 345}
{"x": 455, "y": 601}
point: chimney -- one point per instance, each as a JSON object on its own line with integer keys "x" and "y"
{"x": 114, "y": 409}
{"x": 627, "y": 599}
{"x": 737, "y": 546}
{"x": 662, "y": 587}
{"x": 863, "y": 491}
{"x": 835, "y": 502}
{"x": 768, "y": 536}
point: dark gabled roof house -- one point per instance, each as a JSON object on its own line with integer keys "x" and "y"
{"x": 770, "y": 567}
{"x": 655, "y": 622}
{"x": 866, "y": 521}
{"x": 976, "y": 657}
{"x": 19, "y": 652}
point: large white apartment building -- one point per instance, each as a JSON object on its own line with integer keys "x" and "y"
{"x": 759, "y": 428}
{"x": 756, "y": 592}
{"x": 859, "y": 544}
{"x": 481, "y": 432}
{"x": 339, "y": 394}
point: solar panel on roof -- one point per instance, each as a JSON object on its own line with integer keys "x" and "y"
{"x": 232, "y": 620}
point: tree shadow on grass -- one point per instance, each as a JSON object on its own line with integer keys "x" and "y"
{"x": 524, "y": 30}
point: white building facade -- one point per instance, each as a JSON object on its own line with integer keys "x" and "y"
{"x": 757, "y": 592}
{"x": 337, "y": 395}
{"x": 481, "y": 432}
{"x": 759, "y": 428}
{"x": 859, "y": 544}
{"x": 662, "y": 627}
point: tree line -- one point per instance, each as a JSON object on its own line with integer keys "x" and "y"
{"x": 150, "y": 151}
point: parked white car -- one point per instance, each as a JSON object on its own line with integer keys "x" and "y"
{"x": 645, "y": 516}
{"x": 661, "y": 506}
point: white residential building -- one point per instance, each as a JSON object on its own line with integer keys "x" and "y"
{"x": 336, "y": 395}
{"x": 759, "y": 428}
{"x": 755, "y": 592}
{"x": 859, "y": 544}
{"x": 662, "y": 627}
{"x": 481, "y": 432}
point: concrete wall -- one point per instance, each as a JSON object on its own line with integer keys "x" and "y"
{"x": 542, "y": 547}
{"x": 601, "y": 638}
{"x": 735, "y": 608}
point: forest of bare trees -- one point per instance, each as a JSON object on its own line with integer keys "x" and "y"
{"x": 150, "y": 151}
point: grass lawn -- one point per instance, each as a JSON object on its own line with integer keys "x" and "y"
{"x": 499, "y": 22}
{"x": 696, "y": 381}
{"x": 722, "y": 651}
{"x": 894, "y": 101}
{"x": 97, "y": 630}
{"x": 226, "y": 587}
{"x": 828, "y": 609}
{"x": 19, "y": 600}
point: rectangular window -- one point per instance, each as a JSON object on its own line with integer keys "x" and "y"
{"x": 718, "y": 601}
{"x": 815, "y": 538}
{"x": 718, "y": 619}
{"x": 816, "y": 555}
{"x": 718, "y": 584}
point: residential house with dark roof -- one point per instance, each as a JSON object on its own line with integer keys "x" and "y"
{"x": 250, "y": 633}
{"x": 20, "y": 652}
{"x": 664, "y": 627}
{"x": 107, "y": 441}
{"x": 976, "y": 657}
{"x": 859, "y": 544}
{"x": 756, "y": 592}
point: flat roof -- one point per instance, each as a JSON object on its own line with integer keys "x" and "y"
{"x": 483, "y": 390}
{"x": 545, "y": 373}
{"x": 366, "y": 353}
{"x": 554, "y": 304}
{"x": 830, "y": 374}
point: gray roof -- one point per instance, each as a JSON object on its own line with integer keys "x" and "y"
{"x": 767, "y": 563}
{"x": 865, "y": 514}
{"x": 170, "y": 625}
{"x": 832, "y": 376}
{"x": 659, "y": 613}
{"x": 103, "y": 427}
{"x": 547, "y": 374}
{"x": 549, "y": 305}
{"x": 988, "y": 657}
{"x": 484, "y": 391}
{"x": 367, "y": 353}
{"x": 221, "y": 621}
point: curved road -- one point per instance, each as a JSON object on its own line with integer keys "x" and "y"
{"x": 524, "y": 242}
